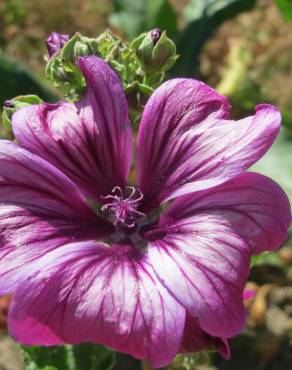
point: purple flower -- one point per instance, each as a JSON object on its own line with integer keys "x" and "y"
{"x": 148, "y": 269}
{"x": 55, "y": 42}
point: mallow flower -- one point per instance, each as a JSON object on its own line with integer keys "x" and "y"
{"x": 150, "y": 266}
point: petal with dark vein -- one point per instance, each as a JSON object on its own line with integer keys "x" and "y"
{"x": 204, "y": 243}
{"x": 40, "y": 209}
{"x": 91, "y": 140}
{"x": 110, "y": 294}
{"x": 204, "y": 265}
{"x": 186, "y": 142}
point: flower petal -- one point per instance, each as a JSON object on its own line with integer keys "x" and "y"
{"x": 186, "y": 144}
{"x": 90, "y": 141}
{"x": 40, "y": 209}
{"x": 90, "y": 292}
{"x": 252, "y": 205}
{"x": 204, "y": 265}
{"x": 195, "y": 340}
{"x": 206, "y": 239}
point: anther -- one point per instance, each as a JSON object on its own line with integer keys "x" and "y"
{"x": 124, "y": 209}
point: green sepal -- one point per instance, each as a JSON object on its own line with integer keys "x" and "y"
{"x": 61, "y": 68}
{"x": 17, "y": 103}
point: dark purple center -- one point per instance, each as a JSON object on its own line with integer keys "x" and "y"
{"x": 123, "y": 207}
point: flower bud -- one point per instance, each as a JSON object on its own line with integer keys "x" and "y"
{"x": 79, "y": 46}
{"x": 55, "y": 42}
{"x": 156, "y": 52}
{"x": 8, "y": 104}
{"x": 61, "y": 67}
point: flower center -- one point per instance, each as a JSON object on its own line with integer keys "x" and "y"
{"x": 124, "y": 208}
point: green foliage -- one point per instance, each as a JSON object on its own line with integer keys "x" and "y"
{"x": 202, "y": 18}
{"x": 16, "y": 80}
{"x": 285, "y": 7}
{"x": 287, "y": 121}
{"x": 13, "y": 12}
{"x": 51, "y": 358}
{"x": 84, "y": 356}
{"x": 136, "y": 16}
{"x": 93, "y": 357}
{"x": 277, "y": 163}
{"x": 192, "y": 361}
{"x": 267, "y": 258}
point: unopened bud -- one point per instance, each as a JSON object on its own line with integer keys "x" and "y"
{"x": 55, "y": 42}
{"x": 156, "y": 52}
{"x": 79, "y": 46}
{"x": 8, "y": 104}
{"x": 61, "y": 67}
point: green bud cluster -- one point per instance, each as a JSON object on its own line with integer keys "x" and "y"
{"x": 62, "y": 71}
{"x": 141, "y": 65}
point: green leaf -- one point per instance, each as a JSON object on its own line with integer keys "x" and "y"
{"x": 93, "y": 357}
{"x": 14, "y": 12}
{"x": 267, "y": 258}
{"x": 129, "y": 22}
{"x": 197, "y": 9}
{"x": 285, "y": 7}
{"x": 202, "y": 18}
{"x": 277, "y": 163}
{"x": 137, "y": 16}
{"x": 85, "y": 356}
{"x": 49, "y": 358}
{"x": 17, "y": 80}
{"x": 161, "y": 14}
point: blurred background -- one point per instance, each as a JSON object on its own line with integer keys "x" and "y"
{"x": 243, "y": 48}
